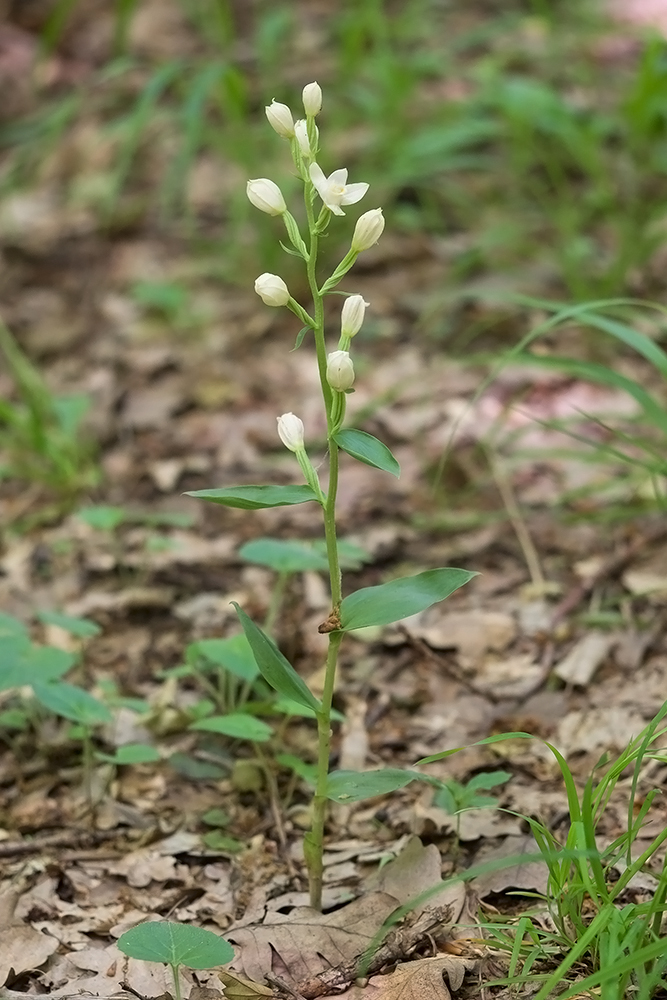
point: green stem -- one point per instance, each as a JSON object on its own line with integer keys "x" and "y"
{"x": 177, "y": 983}
{"x": 315, "y": 837}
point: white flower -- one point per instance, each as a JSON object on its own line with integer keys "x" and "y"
{"x": 301, "y": 133}
{"x": 272, "y": 290}
{"x": 291, "y": 431}
{"x": 352, "y": 315}
{"x": 334, "y": 189}
{"x": 266, "y": 196}
{"x": 280, "y": 119}
{"x": 312, "y": 99}
{"x": 340, "y": 370}
{"x": 368, "y": 230}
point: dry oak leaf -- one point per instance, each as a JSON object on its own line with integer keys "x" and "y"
{"x": 24, "y": 948}
{"x": 420, "y": 980}
{"x": 309, "y": 942}
{"x": 237, "y": 988}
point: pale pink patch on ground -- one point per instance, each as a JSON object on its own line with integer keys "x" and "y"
{"x": 651, "y": 13}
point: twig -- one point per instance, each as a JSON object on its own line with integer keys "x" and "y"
{"x": 279, "y": 984}
{"x": 70, "y": 838}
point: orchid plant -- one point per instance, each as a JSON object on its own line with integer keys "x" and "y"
{"x": 379, "y": 605}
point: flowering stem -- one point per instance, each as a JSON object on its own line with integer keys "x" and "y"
{"x": 314, "y": 845}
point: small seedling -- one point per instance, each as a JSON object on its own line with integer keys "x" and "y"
{"x": 175, "y": 945}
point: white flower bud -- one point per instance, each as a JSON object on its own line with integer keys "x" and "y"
{"x": 352, "y": 315}
{"x": 312, "y": 99}
{"x": 272, "y": 290}
{"x": 301, "y": 133}
{"x": 291, "y": 431}
{"x": 340, "y": 370}
{"x": 266, "y": 196}
{"x": 280, "y": 119}
{"x": 368, "y": 230}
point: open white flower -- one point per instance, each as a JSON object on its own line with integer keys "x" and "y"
{"x": 334, "y": 189}
{"x": 280, "y": 119}
{"x": 266, "y": 196}
{"x": 340, "y": 370}
{"x": 352, "y": 315}
{"x": 291, "y": 431}
{"x": 272, "y": 290}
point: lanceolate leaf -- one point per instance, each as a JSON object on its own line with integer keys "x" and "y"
{"x": 390, "y": 602}
{"x": 282, "y": 555}
{"x": 238, "y": 725}
{"x": 256, "y": 497}
{"x": 353, "y": 786}
{"x": 176, "y": 944}
{"x": 367, "y": 449}
{"x": 274, "y": 668}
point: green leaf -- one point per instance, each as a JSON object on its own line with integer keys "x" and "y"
{"x": 216, "y": 840}
{"x": 238, "y": 725}
{"x": 487, "y": 779}
{"x": 102, "y": 517}
{"x": 131, "y": 753}
{"x": 390, "y": 602}
{"x": 274, "y": 667}
{"x": 233, "y": 653}
{"x": 288, "y": 707}
{"x": 72, "y": 703}
{"x": 10, "y": 626}
{"x": 353, "y": 786}
{"x": 304, "y": 329}
{"x": 367, "y": 449}
{"x": 196, "y": 770}
{"x": 176, "y": 944}
{"x": 444, "y": 798}
{"x": 256, "y": 497}
{"x": 83, "y": 628}
{"x": 306, "y": 771}
{"x": 216, "y": 817}
{"x": 283, "y": 556}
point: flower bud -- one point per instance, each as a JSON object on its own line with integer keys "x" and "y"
{"x": 340, "y": 370}
{"x": 272, "y": 290}
{"x": 291, "y": 431}
{"x": 266, "y": 196}
{"x": 312, "y": 99}
{"x": 301, "y": 133}
{"x": 352, "y": 315}
{"x": 368, "y": 230}
{"x": 280, "y": 119}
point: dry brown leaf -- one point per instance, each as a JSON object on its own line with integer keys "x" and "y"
{"x": 237, "y": 988}
{"x": 23, "y": 948}
{"x": 471, "y": 632}
{"x": 421, "y": 980}
{"x": 527, "y": 874}
{"x": 415, "y": 870}
{"x": 581, "y": 663}
{"x": 307, "y": 941}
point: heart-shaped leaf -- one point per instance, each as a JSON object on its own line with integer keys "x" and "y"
{"x": 353, "y": 786}
{"x": 367, "y": 449}
{"x": 256, "y": 497}
{"x": 390, "y": 602}
{"x": 274, "y": 667}
{"x": 176, "y": 944}
{"x": 238, "y": 725}
{"x": 283, "y": 556}
{"x": 72, "y": 703}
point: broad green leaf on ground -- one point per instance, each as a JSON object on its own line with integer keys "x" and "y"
{"x": 21, "y": 663}
{"x": 72, "y": 703}
{"x": 131, "y": 753}
{"x": 10, "y": 626}
{"x": 82, "y": 628}
{"x": 274, "y": 667}
{"x": 283, "y": 556}
{"x": 425, "y": 979}
{"x": 238, "y": 725}
{"x": 367, "y": 449}
{"x": 390, "y": 602}
{"x": 353, "y": 786}
{"x": 101, "y": 517}
{"x": 233, "y": 653}
{"x": 309, "y": 942}
{"x": 176, "y": 944}
{"x": 256, "y": 497}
